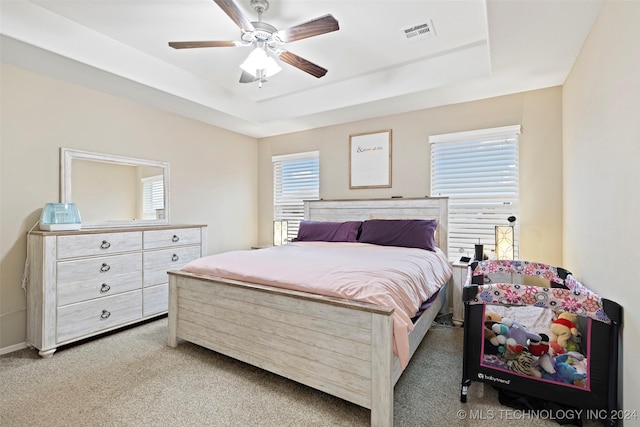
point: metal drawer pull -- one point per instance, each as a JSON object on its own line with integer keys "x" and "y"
{"x": 175, "y": 257}
{"x": 105, "y": 245}
{"x": 175, "y": 238}
{"x": 104, "y": 288}
{"x": 105, "y": 267}
{"x": 105, "y": 315}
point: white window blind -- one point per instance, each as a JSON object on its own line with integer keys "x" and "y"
{"x": 296, "y": 177}
{"x": 152, "y": 196}
{"x": 478, "y": 171}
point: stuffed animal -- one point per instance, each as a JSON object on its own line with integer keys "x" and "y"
{"x": 523, "y": 364}
{"x": 547, "y": 363}
{"x": 563, "y": 328}
{"x": 567, "y": 372}
{"x": 564, "y": 372}
{"x": 539, "y": 347}
{"x": 574, "y": 343}
{"x": 520, "y": 330}
{"x": 491, "y": 318}
{"x": 491, "y": 340}
{"x": 555, "y": 348}
{"x": 513, "y": 335}
{"x": 581, "y": 367}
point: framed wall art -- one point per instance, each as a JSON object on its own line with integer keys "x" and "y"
{"x": 370, "y": 160}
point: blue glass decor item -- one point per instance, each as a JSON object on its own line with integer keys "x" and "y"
{"x": 60, "y": 217}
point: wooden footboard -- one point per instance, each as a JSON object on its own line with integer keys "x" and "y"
{"x": 343, "y": 348}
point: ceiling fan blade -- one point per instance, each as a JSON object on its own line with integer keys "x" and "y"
{"x": 236, "y": 15}
{"x": 301, "y": 63}
{"x": 191, "y": 45}
{"x": 315, "y": 27}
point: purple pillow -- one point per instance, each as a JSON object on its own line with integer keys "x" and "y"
{"x": 318, "y": 231}
{"x": 407, "y": 233}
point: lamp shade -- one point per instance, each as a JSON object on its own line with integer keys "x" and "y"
{"x": 504, "y": 242}
{"x": 280, "y": 232}
{"x": 258, "y": 60}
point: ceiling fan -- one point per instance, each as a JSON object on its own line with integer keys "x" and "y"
{"x": 267, "y": 42}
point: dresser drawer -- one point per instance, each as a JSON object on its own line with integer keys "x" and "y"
{"x": 76, "y": 320}
{"x": 157, "y": 263}
{"x": 98, "y": 244}
{"x": 155, "y": 299}
{"x": 80, "y": 280}
{"x": 171, "y": 237}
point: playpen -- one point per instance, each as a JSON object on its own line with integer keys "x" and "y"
{"x": 559, "y": 342}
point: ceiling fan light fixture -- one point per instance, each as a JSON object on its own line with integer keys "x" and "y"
{"x": 258, "y": 60}
{"x": 267, "y": 41}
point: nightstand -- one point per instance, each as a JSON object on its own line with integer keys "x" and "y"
{"x": 458, "y": 280}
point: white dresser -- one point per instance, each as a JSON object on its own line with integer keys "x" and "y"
{"x": 83, "y": 283}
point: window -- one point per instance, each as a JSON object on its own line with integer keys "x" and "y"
{"x": 152, "y": 196}
{"x": 296, "y": 177}
{"x": 478, "y": 171}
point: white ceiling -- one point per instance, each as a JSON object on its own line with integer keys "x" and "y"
{"x": 481, "y": 48}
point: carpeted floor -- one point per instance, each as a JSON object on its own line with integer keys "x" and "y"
{"x": 132, "y": 378}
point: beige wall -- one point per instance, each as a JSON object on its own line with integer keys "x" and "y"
{"x": 209, "y": 165}
{"x": 602, "y": 172}
{"x": 213, "y": 171}
{"x": 539, "y": 112}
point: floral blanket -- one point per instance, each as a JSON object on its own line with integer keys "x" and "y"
{"x": 571, "y": 297}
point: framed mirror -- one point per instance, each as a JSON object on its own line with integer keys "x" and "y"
{"x": 114, "y": 191}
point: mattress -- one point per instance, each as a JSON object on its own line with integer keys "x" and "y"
{"x": 389, "y": 276}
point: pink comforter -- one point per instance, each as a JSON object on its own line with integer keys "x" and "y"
{"x": 388, "y": 276}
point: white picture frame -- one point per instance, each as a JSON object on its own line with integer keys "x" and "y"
{"x": 370, "y": 160}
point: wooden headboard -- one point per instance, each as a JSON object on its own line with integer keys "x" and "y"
{"x": 361, "y": 210}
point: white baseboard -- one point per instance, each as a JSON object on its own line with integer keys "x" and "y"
{"x": 12, "y": 348}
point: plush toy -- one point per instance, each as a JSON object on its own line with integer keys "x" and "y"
{"x": 520, "y": 330}
{"x": 574, "y": 343}
{"x": 567, "y": 372}
{"x": 491, "y": 318}
{"x": 581, "y": 367}
{"x": 564, "y": 372}
{"x": 563, "y": 328}
{"x": 513, "y": 335}
{"x": 555, "y": 348}
{"x": 547, "y": 363}
{"x": 491, "y": 340}
{"x": 539, "y": 347}
{"x": 523, "y": 363}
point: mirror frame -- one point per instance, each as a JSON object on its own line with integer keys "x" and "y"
{"x": 67, "y": 155}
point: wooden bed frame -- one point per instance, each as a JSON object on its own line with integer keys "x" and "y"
{"x": 338, "y": 346}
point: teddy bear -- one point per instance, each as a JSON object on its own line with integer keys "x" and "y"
{"x": 491, "y": 318}
{"x": 563, "y": 328}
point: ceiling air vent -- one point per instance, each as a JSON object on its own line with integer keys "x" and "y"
{"x": 417, "y": 32}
